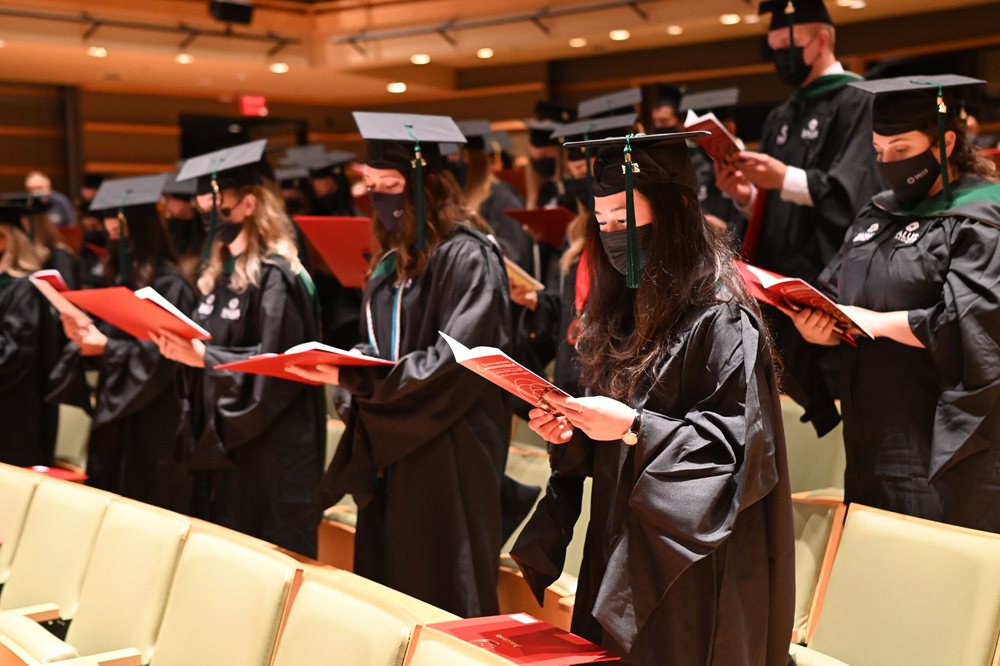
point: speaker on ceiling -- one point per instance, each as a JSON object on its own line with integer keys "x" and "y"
{"x": 232, "y": 11}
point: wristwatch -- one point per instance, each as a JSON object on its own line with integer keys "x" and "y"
{"x": 631, "y": 438}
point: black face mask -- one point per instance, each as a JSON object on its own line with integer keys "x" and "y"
{"x": 911, "y": 179}
{"x": 389, "y": 209}
{"x": 227, "y": 231}
{"x": 545, "y": 167}
{"x": 615, "y": 245}
{"x": 790, "y": 65}
{"x": 98, "y": 237}
{"x": 294, "y": 206}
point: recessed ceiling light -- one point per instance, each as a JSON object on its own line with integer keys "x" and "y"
{"x": 675, "y": 30}
{"x": 420, "y": 59}
{"x": 577, "y": 42}
{"x": 484, "y": 53}
{"x": 751, "y": 19}
{"x": 619, "y": 35}
{"x": 845, "y": 3}
{"x": 97, "y": 52}
{"x": 184, "y": 58}
{"x": 858, "y": 4}
{"x": 2, "y": 43}
{"x": 279, "y": 67}
{"x": 730, "y": 19}
{"x": 396, "y": 87}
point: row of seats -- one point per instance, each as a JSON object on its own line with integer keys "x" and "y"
{"x": 92, "y": 578}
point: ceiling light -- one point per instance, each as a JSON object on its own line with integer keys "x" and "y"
{"x": 279, "y": 67}
{"x": 2, "y": 43}
{"x": 619, "y": 35}
{"x": 751, "y": 19}
{"x": 97, "y": 52}
{"x": 420, "y": 59}
{"x": 577, "y": 42}
{"x": 396, "y": 87}
{"x": 484, "y": 53}
{"x": 675, "y": 30}
{"x": 845, "y": 3}
{"x": 858, "y": 4}
{"x": 184, "y": 58}
{"x": 729, "y": 19}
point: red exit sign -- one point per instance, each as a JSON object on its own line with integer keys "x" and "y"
{"x": 253, "y": 105}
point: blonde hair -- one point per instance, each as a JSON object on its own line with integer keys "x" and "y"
{"x": 268, "y": 233}
{"x": 21, "y": 256}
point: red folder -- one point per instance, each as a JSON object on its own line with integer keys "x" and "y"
{"x": 140, "y": 314}
{"x": 523, "y": 639}
{"x": 516, "y": 178}
{"x": 307, "y": 354}
{"x": 59, "y": 473}
{"x": 72, "y": 236}
{"x": 549, "y": 223}
{"x": 344, "y": 243}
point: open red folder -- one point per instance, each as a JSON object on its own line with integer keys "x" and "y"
{"x": 720, "y": 145}
{"x": 50, "y": 282}
{"x": 522, "y": 639}
{"x": 140, "y": 313}
{"x": 797, "y": 294}
{"x": 494, "y": 365}
{"x": 344, "y": 243}
{"x": 549, "y": 223}
{"x": 307, "y": 354}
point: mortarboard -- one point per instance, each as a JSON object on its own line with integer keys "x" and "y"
{"x": 291, "y": 177}
{"x": 11, "y": 214}
{"x": 93, "y": 180}
{"x": 184, "y": 190}
{"x": 548, "y": 116}
{"x": 593, "y": 128}
{"x": 611, "y": 104}
{"x": 121, "y": 194}
{"x": 711, "y": 100}
{"x": 788, "y": 13}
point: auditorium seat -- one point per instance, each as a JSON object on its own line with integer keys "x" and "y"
{"x": 813, "y": 462}
{"x": 433, "y": 648}
{"x": 819, "y": 522}
{"x": 515, "y": 596}
{"x": 58, "y": 536}
{"x": 334, "y": 431}
{"x": 423, "y": 612}
{"x": 71, "y": 440}
{"x": 124, "y": 591}
{"x": 328, "y": 618}
{"x": 16, "y": 491}
{"x": 908, "y": 591}
{"x": 336, "y": 535}
{"x": 226, "y": 604}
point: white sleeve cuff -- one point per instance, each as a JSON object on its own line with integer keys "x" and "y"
{"x": 795, "y": 188}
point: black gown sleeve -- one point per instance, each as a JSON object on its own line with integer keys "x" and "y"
{"x": 513, "y": 239}
{"x": 20, "y": 334}
{"x": 962, "y": 333}
{"x": 692, "y": 473}
{"x": 68, "y": 265}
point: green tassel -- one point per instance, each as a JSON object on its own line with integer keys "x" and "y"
{"x": 943, "y": 149}
{"x": 418, "y": 191}
{"x": 213, "y": 220}
{"x": 632, "y": 267}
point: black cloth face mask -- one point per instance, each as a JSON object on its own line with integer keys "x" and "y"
{"x": 545, "y": 167}
{"x": 226, "y": 231}
{"x": 615, "y": 245}
{"x": 790, "y": 65}
{"x": 389, "y": 209}
{"x": 911, "y": 179}
{"x": 98, "y": 237}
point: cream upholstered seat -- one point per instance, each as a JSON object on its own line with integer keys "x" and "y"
{"x": 74, "y": 432}
{"x": 909, "y": 591}
{"x": 819, "y": 520}
{"x": 328, "y": 618}
{"x": 226, "y": 604}
{"x": 430, "y": 647}
{"x": 421, "y": 611}
{"x": 58, "y": 536}
{"x": 813, "y": 462}
{"x": 16, "y": 490}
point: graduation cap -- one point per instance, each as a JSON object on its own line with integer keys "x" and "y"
{"x": 710, "y": 100}
{"x": 623, "y": 162}
{"x": 291, "y": 177}
{"x": 223, "y": 169}
{"x": 411, "y": 144}
{"x": 314, "y": 157}
{"x": 589, "y": 129}
{"x": 30, "y": 203}
{"x": 554, "y": 112}
{"x": 11, "y": 213}
{"x": 122, "y": 194}
{"x": 610, "y": 104}
{"x": 909, "y": 103}
{"x": 184, "y": 190}
{"x": 668, "y": 95}
{"x": 548, "y": 116}
{"x": 786, "y": 13}
{"x": 93, "y": 180}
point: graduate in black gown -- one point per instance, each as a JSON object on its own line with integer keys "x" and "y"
{"x": 814, "y": 170}
{"x": 55, "y": 254}
{"x": 95, "y": 239}
{"x": 185, "y": 225}
{"x": 921, "y": 270}
{"x": 29, "y": 347}
{"x": 426, "y": 441}
{"x": 259, "y": 442}
{"x": 138, "y": 433}
{"x": 689, "y": 556}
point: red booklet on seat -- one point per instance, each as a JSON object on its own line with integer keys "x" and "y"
{"x": 797, "y": 294}
{"x": 308, "y": 353}
{"x": 139, "y": 313}
{"x": 344, "y": 243}
{"x": 549, "y": 223}
{"x": 495, "y": 366}
{"x": 525, "y": 640}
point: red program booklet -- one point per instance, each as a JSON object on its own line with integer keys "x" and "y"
{"x": 140, "y": 313}
{"x": 50, "y": 282}
{"x": 523, "y": 639}
{"x": 308, "y": 353}
{"x": 344, "y": 243}
{"x": 495, "y": 366}
{"x": 797, "y": 294}
{"x": 720, "y": 145}
{"x": 549, "y": 223}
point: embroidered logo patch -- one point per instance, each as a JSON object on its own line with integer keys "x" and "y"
{"x": 909, "y": 235}
{"x": 867, "y": 234}
{"x": 207, "y": 306}
{"x": 232, "y": 312}
{"x": 782, "y": 135}
{"x": 811, "y": 131}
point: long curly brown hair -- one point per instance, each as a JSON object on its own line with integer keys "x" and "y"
{"x": 965, "y": 159}
{"x": 626, "y": 333}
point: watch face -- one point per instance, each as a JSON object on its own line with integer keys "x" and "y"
{"x": 630, "y": 438}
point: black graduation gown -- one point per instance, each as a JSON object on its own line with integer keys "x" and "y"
{"x": 139, "y": 431}
{"x": 68, "y": 265}
{"x": 260, "y": 442}
{"x": 426, "y": 441}
{"x": 713, "y": 201}
{"x": 516, "y": 243}
{"x": 29, "y": 347}
{"x": 91, "y": 270}
{"x": 825, "y": 129}
{"x": 689, "y": 556}
{"x": 922, "y": 426}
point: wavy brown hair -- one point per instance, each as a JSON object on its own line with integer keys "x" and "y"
{"x": 444, "y": 210}
{"x": 20, "y": 258}
{"x": 626, "y": 333}
{"x": 965, "y": 159}
{"x": 149, "y": 248}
